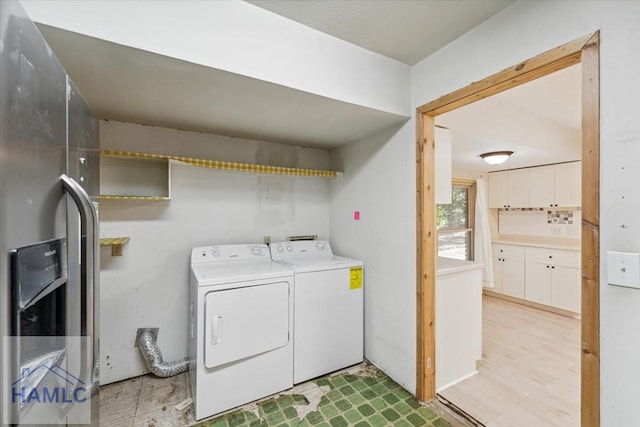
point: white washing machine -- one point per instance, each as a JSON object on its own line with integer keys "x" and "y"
{"x": 328, "y": 307}
{"x": 241, "y": 326}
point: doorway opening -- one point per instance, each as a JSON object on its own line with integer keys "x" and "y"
{"x": 586, "y": 52}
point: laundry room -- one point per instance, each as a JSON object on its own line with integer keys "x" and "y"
{"x": 256, "y": 134}
{"x": 231, "y": 206}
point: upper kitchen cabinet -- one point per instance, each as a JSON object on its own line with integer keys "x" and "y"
{"x": 509, "y": 189}
{"x": 498, "y": 190}
{"x": 541, "y": 186}
{"x": 555, "y": 185}
{"x": 568, "y": 184}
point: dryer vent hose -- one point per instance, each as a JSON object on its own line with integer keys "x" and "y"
{"x": 153, "y": 356}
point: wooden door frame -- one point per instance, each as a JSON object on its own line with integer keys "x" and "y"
{"x": 585, "y": 50}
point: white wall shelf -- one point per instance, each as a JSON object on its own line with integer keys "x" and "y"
{"x": 124, "y": 177}
{"x": 232, "y": 166}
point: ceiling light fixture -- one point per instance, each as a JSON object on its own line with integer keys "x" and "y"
{"x": 496, "y": 157}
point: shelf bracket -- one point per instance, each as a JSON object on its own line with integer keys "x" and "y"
{"x": 116, "y": 244}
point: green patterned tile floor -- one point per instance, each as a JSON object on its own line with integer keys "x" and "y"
{"x": 367, "y": 398}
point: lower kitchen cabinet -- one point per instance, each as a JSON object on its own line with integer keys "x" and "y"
{"x": 513, "y": 278}
{"x": 508, "y": 270}
{"x": 538, "y": 283}
{"x": 544, "y": 276}
{"x": 566, "y": 289}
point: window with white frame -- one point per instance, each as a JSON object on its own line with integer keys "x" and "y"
{"x": 455, "y": 221}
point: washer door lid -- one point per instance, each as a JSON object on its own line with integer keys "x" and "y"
{"x": 244, "y": 322}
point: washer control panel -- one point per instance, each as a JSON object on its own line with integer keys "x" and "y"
{"x": 227, "y": 253}
{"x": 299, "y": 249}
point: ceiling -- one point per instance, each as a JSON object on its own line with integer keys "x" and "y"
{"x": 131, "y": 85}
{"x": 539, "y": 121}
{"x": 407, "y": 31}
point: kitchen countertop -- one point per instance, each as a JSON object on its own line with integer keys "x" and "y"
{"x": 562, "y": 243}
{"x": 450, "y": 265}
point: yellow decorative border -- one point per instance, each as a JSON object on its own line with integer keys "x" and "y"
{"x": 217, "y": 164}
{"x": 108, "y": 241}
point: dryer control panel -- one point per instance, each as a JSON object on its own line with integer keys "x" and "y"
{"x": 226, "y": 253}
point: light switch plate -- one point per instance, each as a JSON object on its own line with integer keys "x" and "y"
{"x": 623, "y": 269}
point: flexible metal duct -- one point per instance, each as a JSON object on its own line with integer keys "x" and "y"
{"x": 152, "y": 354}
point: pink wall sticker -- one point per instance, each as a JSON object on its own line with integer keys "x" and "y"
{"x": 356, "y": 215}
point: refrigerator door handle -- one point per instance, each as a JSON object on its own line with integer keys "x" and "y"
{"x": 89, "y": 278}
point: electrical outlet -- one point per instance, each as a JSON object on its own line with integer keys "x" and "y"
{"x": 556, "y": 229}
{"x": 266, "y": 240}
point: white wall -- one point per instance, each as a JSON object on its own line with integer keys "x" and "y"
{"x": 240, "y": 38}
{"x": 524, "y": 30}
{"x": 148, "y": 285}
{"x": 379, "y": 176}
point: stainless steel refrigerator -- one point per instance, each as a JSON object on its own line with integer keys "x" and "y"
{"x": 49, "y": 265}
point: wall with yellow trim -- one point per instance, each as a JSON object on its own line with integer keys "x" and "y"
{"x": 148, "y": 285}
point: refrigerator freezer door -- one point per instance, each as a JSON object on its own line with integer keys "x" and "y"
{"x": 33, "y": 205}
{"x": 83, "y": 167}
{"x": 33, "y": 156}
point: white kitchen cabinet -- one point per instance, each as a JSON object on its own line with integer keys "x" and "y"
{"x": 513, "y": 278}
{"x": 542, "y": 186}
{"x": 556, "y": 185}
{"x": 497, "y": 274}
{"x": 545, "y": 276}
{"x": 509, "y": 271}
{"x": 537, "y": 283}
{"x": 566, "y": 289}
{"x": 568, "y": 184}
{"x": 518, "y": 188}
{"x": 509, "y": 189}
{"x": 553, "y": 278}
{"x": 498, "y": 190}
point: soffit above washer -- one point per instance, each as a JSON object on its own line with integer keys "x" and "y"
{"x": 407, "y": 31}
{"x": 132, "y": 85}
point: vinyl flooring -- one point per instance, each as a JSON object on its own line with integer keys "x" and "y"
{"x": 361, "y": 396}
{"x": 530, "y": 371}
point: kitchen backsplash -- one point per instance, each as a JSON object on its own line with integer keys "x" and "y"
{"x": 542, "y": 222}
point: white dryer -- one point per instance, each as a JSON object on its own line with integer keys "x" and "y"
{"x": 328, "y": 307}
{"x": 241, "y": 326}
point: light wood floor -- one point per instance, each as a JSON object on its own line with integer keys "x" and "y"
{"x": 529, "y": 374}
